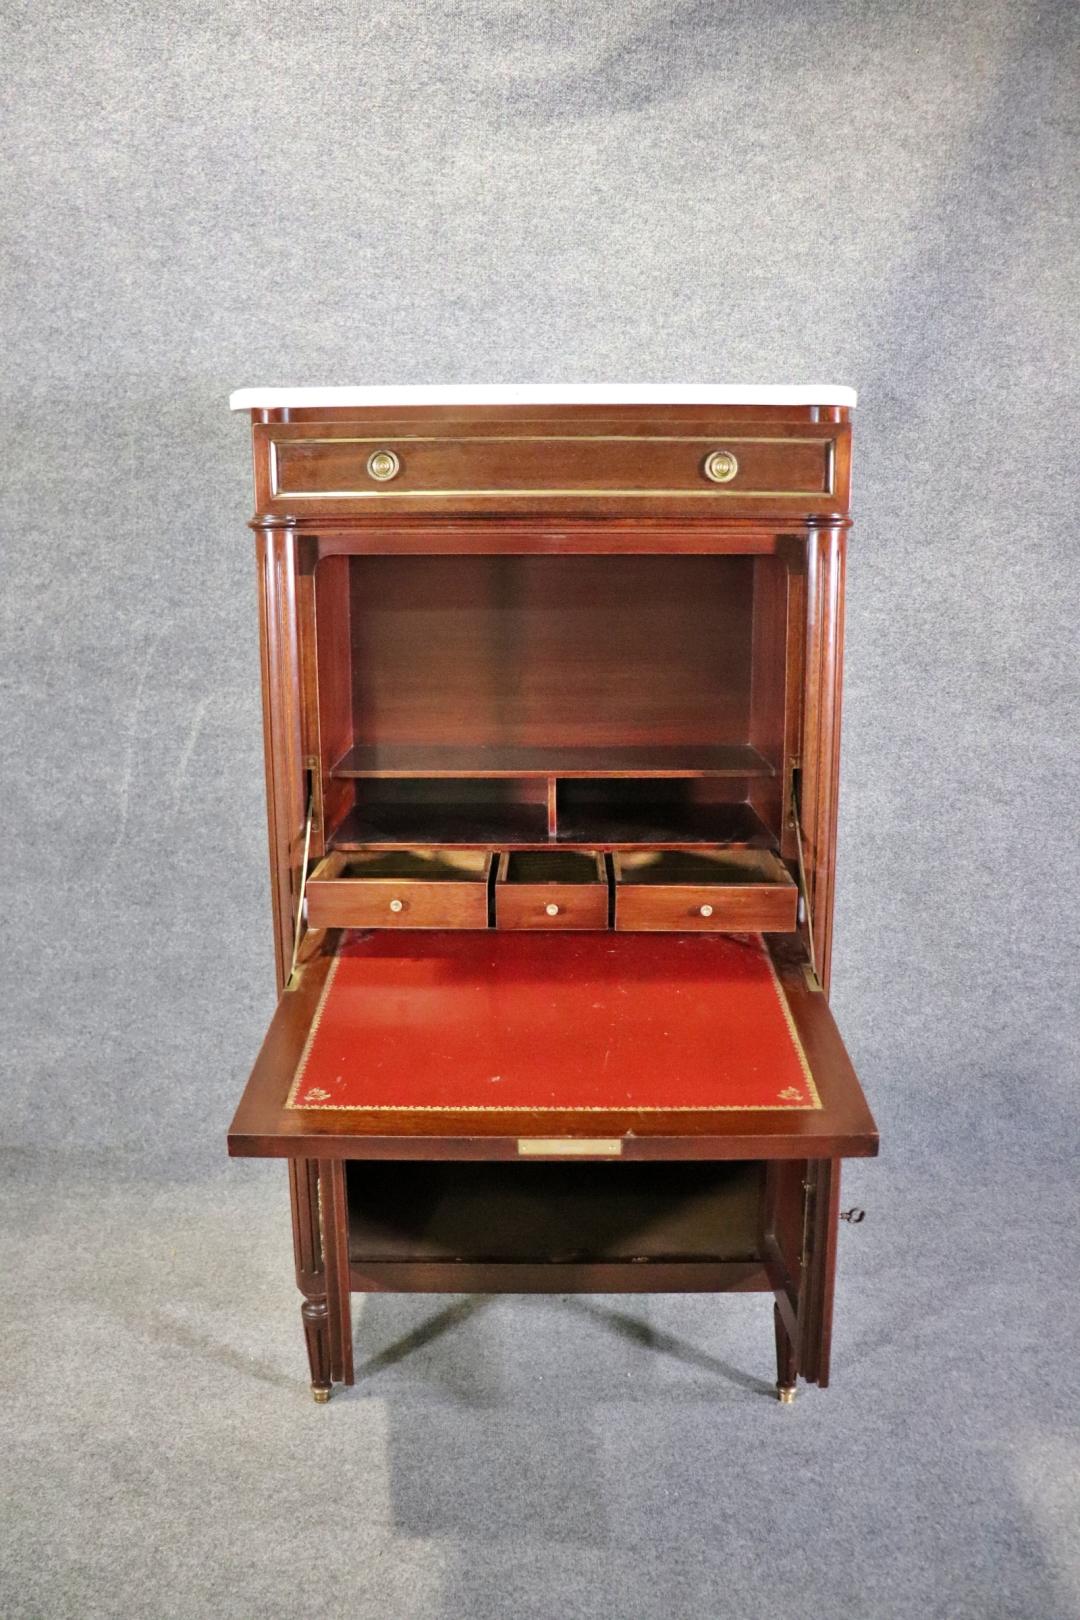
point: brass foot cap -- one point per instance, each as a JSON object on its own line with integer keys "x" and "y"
{"x": 785, "y": 1394}
{"x": 319, "y": 1394}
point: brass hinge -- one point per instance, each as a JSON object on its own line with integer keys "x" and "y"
{"x": 294, "y": 972}
{"x": 803, "y": 886}
{"x": 809, "y": 1195}
{"x": 313, "y": 768}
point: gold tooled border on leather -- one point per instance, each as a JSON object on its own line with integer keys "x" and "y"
{"x": 313, "y": 1030}
{"x": 560, "y": 1108}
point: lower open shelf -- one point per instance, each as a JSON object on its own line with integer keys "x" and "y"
{"x": 542, "y": 1213}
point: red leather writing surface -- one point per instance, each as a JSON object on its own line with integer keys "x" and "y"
{"x": 482, "y": 1021}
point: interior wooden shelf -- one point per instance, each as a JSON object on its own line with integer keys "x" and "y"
{"x": 491, "y": 760}
{"x": 523, "y": 826}
{"x": 665, "y": 824}
{"x": 466, "y": 825}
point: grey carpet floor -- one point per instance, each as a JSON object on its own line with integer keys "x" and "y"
{"x": 530, "y": 1457}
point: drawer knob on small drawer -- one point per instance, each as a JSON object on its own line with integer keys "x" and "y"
{"x": 706, "y": 911}
{"x": 397, "y": 905}
{"x": 383, "y": 465}
{"x": 552, "y": 909}
{"x": 721, "y": 466}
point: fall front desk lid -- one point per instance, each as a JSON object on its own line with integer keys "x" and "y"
{"x": 484, "y": 1021}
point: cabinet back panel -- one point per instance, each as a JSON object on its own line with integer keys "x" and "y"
{"x": 538, "y": 651}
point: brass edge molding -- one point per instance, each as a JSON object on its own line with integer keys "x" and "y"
{"x": 555, "y": 438}
{"x": 711, "y": 493}
{"x": 537, "y": 525}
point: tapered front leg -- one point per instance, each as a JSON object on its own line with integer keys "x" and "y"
{"x": 787, "y": 1369}
{"x": 333, "y": 1206}
{"x": 311, "y": 1272}
{"x": 316, "y": 1318}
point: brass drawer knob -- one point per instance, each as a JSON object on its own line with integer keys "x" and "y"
{"x": 705, "y": 911}
{"x": 721, "y": 466}
{"x": 552, "y": 909}
{"x": 383, "y": 465}
{"x": 397, "y": 905}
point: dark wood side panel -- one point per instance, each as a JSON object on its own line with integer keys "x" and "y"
{"x": 826, "y": 557}
{"x": 784, "y": 1237}
{"x": 283, "y": 745}
{"x": 282, "y": 685}
{"x": 793, "y": 714}
{"x": 816, "y": 1316}
{"x": 334, "y": 666}
{"x": 769, "y": 684}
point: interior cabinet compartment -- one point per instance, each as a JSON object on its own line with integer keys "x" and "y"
{"x": 725, "y": 890}
{"x": 408, "y": 888}
{"x": 442, "y": 1211}
{"x": 456, "y": 671}
{"x": 622, "y": 813}
{"x": 558, "y": 888}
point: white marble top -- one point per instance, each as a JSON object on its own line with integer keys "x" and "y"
{"x": 272, "y": 399}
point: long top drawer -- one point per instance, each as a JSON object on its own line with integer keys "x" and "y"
{"x": 688, "y": 466}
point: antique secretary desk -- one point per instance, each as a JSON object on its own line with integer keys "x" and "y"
{"x": 551, "y": 688}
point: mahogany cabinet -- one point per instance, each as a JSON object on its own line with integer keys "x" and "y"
{"x": 551, "y": 691}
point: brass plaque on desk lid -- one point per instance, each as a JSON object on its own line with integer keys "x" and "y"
{"x": 569, "y": 1147}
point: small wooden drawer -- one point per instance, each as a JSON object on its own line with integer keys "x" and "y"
{"x": 374, "y": 466}
{"x": 558, "y": 888}
{"x": 406, "y": 888}
{"x": 700, "y": 891}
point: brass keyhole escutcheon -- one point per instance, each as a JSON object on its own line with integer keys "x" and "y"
{"x": 721, "y": 466}
{"x": 383, "y": 465}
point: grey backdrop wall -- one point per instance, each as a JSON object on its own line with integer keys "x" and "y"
{"x": 205, "y": 196}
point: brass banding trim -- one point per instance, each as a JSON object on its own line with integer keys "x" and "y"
{"x": 278, "y": 493}
{"x": 561, "y": 438}
{"x": 506, "y": 493}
